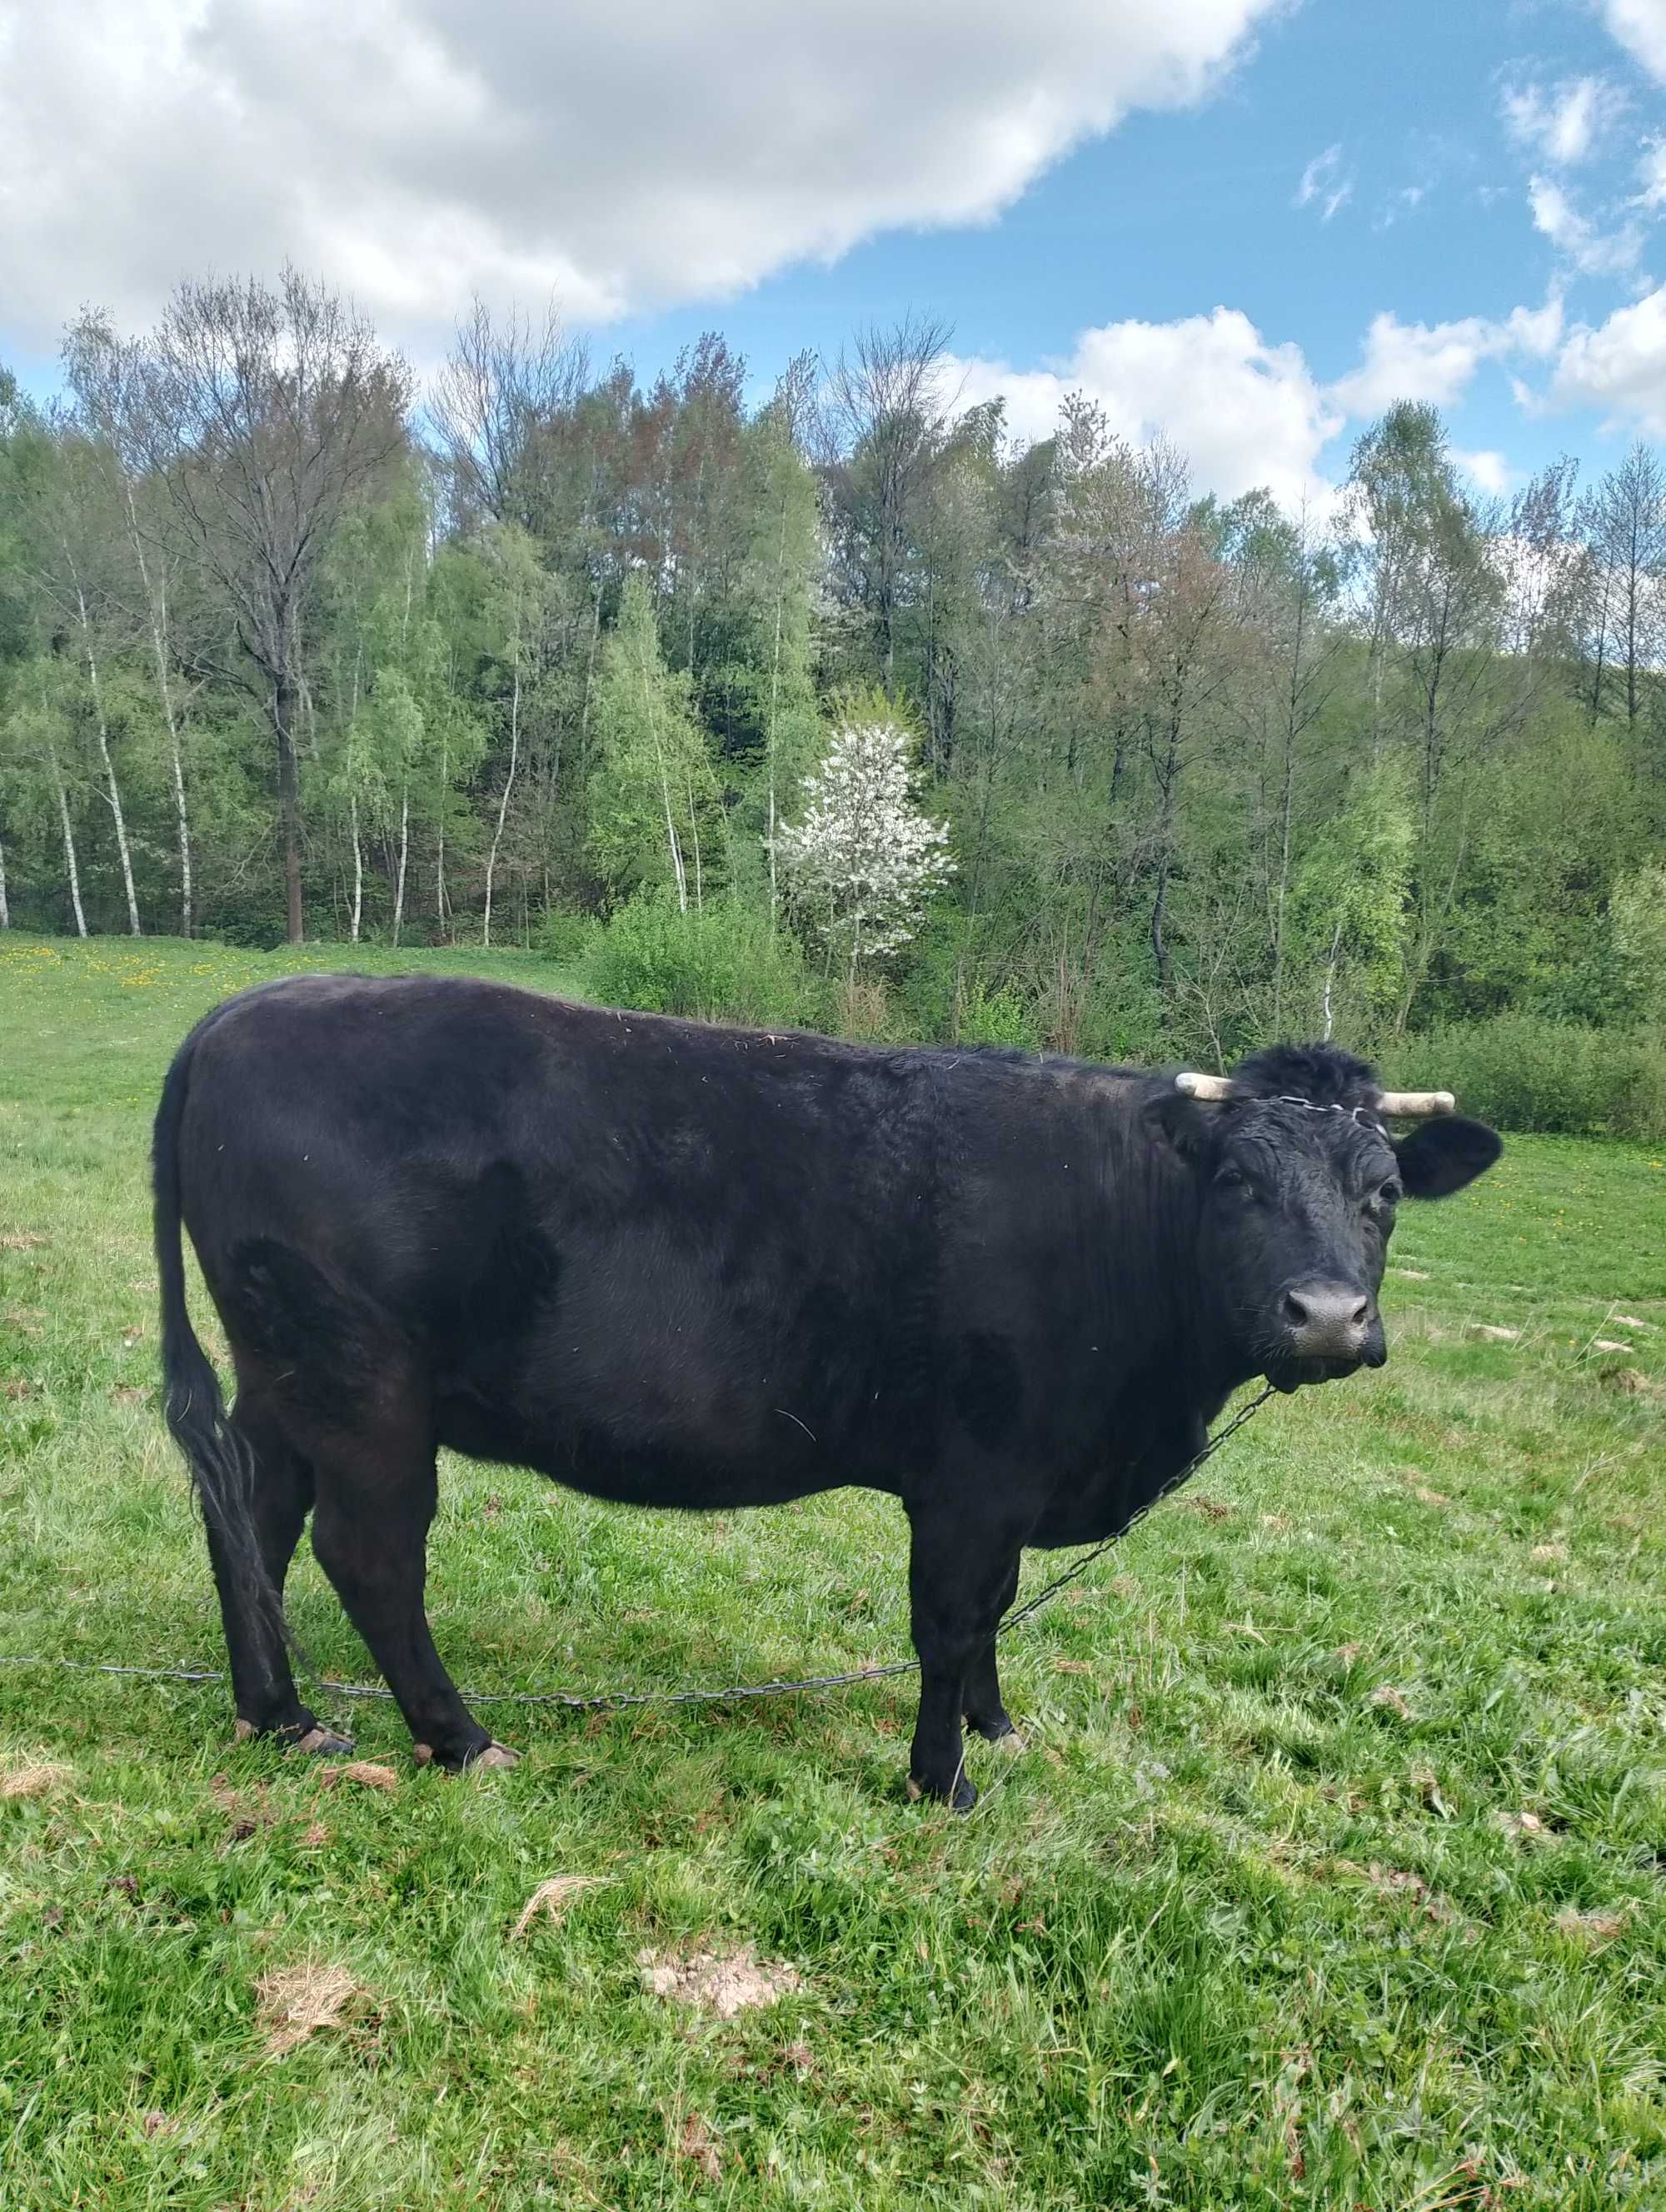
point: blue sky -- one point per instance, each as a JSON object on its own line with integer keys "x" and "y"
{"x": 1247, "y": 222}
{"x": 1172, "y": 215}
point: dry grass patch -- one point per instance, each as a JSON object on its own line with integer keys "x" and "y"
{"x": 1590, "y": 1927}
{"x": 34, "y": 1778}
{"x": 296, "y": 2001}
{"x": 1632, "y": 1382}
{"x": 551, "y": 1897}
{"x": 698, "y": 2145}
{"x": 365, "y": 1772}
{"x": 722, "y": 1986}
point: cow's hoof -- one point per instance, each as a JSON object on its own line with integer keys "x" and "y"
{"x": 314, "y": 1738}
{"x": 321, "y": 1742}
{"x": 961, "y": 1798}
{"x": 489, "y": 1755}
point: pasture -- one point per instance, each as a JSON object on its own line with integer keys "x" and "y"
{"x": 1332, "y": 1876}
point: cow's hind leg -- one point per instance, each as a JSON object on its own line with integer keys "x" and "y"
{"x": 262, "y": 1687}
{"x": 986, "y": 1711}
{"x": 960, "y": 1578}
{"x": 376, "y": 1492}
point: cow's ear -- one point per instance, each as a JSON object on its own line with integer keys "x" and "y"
{"x": 1445, "y": 1155}
{"x": 1181, "y": 1122}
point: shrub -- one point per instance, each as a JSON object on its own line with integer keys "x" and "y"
{"x": 567, "y": 936}
{"x": 1524, "y": 1072}
{"x": 999, "y": 1017}
{"x": 719, "y": 962}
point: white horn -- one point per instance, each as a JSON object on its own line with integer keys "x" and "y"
{"x": 1204, "y": 1086}
{"x": 1414, "y": 1105}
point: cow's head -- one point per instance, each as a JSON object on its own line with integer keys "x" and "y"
{"x": 1299, "y": 1178}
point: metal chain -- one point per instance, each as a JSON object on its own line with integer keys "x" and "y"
{"x": 615, "y": 1700}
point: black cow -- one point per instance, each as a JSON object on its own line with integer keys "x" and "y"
{"x": 683, "y": 1265}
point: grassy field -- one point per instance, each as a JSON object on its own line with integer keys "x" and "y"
{"x": 1333, "y": 1875}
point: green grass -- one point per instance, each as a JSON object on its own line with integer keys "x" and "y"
{"x": 1333, "y": 1875}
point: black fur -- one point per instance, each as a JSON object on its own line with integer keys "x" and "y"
{"x": 1322, "y": 1072}
{"x": 711, "y": 1267}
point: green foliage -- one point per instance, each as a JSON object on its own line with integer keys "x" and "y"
{"x": 568, "y": 937}
{"x": 722, "y": 962}
{"x": 654, "y": 813}
{"x": 1524, "y": 1072}
{"x": 951, "y": 990}
{"x": 1348, "y": 904}
{"x": 1214, "y": 771}
{"x": 1638, "y": 914}
{"x": 999, "y": 1016}
{"x": 1559, "y": 823}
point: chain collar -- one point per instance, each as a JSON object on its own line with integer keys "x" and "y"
{"x": 1363, "y": 1115}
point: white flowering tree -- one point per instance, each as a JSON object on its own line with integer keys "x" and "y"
{"x": 861, "y": 864}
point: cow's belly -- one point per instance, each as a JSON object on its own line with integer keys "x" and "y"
{"x": 630, "y": 1466}
{"x": 647, "y": 1380}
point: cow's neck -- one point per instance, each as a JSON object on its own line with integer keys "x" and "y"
{"x": 1158, "y": 1301}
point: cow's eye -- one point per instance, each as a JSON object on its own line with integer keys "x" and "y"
{"x": 1233, "y": 1182}
{"x": 1385, "y": 1200}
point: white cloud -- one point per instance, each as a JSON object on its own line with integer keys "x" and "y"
{"x": 1244, "y": 412}
{"x": 1652, "y": 175}
{"x": 1434, "y": 362}
{"x": 1405, "y": 202}
{"x": 1486, "y": 467}
{"x": 1576, "y": 238}
{"x": 1247, "y": 412}
{"x": 1536, "y": 330}
{"x": 1640, "y": 27}
{"x": 623, "y": 157}
{"x": 1562, "y": 125}
{"x": 1618, "y": 366}
{"x": 1323, "y": 180}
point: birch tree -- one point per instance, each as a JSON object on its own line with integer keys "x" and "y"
{"x": 1623, "y": 521}
{"x": 267, "y": 411}
{"x": 782, "y": 568}
{"x": 39, "y": 749}
{"x": 104, "y": 374}
{"x": 654, "y": 810}
{"x": 71, "y": 545}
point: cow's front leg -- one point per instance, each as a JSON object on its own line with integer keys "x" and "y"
{"x": 960, "y": 1577}
{"x": 985, "y": 1711}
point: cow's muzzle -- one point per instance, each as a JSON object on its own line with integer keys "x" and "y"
{"x": 1328, "y": 1329}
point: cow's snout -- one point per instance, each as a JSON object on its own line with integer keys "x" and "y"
{"x": 1332, "y": 1321}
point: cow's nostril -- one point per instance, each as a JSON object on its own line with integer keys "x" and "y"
{"x": 1326, "y": 1320}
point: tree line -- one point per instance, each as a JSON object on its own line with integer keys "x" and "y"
{"x": 289, "y": 647}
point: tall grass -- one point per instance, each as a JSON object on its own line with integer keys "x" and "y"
{"x": 1526, "y": 1072}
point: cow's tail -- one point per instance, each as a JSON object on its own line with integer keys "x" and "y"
{"x": 221, "y": 1464}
